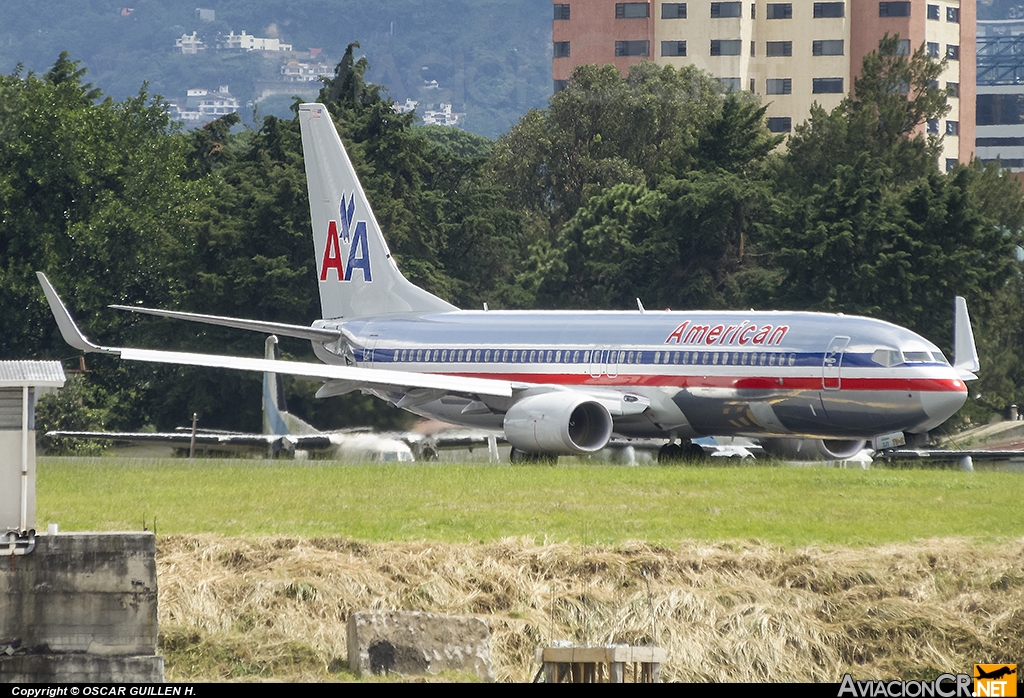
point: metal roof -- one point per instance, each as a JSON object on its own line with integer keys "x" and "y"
{"x": 15, "y": 374}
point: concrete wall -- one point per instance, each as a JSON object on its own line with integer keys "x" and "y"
{"x": 91, "y": 594}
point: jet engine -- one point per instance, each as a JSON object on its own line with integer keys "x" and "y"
{"x": 813, "y": 449}
{"x": 564, "y": 423}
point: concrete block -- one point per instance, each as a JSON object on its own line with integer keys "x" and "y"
{"x": 412, "y": 642}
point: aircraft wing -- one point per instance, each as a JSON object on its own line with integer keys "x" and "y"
{"x": 944, "y": 454}
{"x": 341, "y": 378}
{"x": 217, "y": 441}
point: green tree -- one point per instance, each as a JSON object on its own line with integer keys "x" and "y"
{"x": 649, "y": 185}
{"x": 864, "y": 222}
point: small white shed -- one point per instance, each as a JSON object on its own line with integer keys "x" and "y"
{"x": 21, "y": 383}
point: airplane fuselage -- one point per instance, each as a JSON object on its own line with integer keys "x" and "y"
{"x": 703, "y": 372}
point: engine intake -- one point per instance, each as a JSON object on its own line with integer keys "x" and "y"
{"x": 563, "y": 423}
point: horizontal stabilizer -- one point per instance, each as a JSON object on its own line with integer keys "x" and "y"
{"x": 315, "y": 334}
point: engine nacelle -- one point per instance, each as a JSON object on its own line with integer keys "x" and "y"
{"x": 814, "y": 449}
{"x": 563, "y": 423}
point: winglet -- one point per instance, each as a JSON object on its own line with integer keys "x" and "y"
{"x": 965, "y": 352}
{"x": 68, "y": 329}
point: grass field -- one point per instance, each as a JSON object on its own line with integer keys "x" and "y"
{"x": 741, "y": 573}
{"x": 581, "y": 503}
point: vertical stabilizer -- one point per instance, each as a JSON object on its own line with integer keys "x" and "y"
{"x": 356, "y": 274}
{"x": 276, "y": 418}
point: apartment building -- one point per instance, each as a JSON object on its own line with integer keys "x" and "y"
{"x": 793, "y": 54}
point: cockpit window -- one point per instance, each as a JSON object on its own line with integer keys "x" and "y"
{"x": 917, "y": 356}
{"x": 937, "y": 355}
{"x": 887, "y": 357}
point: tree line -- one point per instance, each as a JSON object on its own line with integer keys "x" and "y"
{"x": 659, "y": 185}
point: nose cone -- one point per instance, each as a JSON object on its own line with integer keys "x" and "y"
{"x": 940, "y": 405}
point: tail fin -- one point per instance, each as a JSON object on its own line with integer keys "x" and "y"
{"x": 357, "y": 276}
{"x": 276, "y": 418}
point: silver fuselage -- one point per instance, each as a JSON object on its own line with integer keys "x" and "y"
{"x": 704, "y": 372}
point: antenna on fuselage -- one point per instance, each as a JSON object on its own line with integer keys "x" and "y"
{"x": 640, "y": 306}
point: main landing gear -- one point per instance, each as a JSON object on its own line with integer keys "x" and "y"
{"x": 681, "y": 452}
{"x": 522, "y": 457}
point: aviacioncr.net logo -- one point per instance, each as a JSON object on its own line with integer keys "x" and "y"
{"x": 945, "y": 686}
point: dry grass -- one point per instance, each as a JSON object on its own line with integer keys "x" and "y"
{"x": 276, "y": 607}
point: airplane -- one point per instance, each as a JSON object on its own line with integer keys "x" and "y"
{"x": 564, "y": 382}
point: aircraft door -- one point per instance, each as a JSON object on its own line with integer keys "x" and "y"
{"x": 832, "y": 363}
{"x": 603, "y": 361}
{"x": 597, "y": 360}
{"x": 369, "y": 353}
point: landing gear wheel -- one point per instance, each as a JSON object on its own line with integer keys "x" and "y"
{"x": 694, "y": 453}
{"x": 522, "y": 457}
{"x": 670, "y": 453}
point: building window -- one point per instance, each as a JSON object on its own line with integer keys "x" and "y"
{"x": 725, "y": 9}
{"x": 753, "y": 11}
{"x": 730, "y": 84}
{"x": 753, "y": 83}
{"x": 933, "y": 49}
{"x": 673, "y": 10}
{"x": 560, "y": 85}
{"x": 953, "y": 162}
{"x": 826, "y": 86}
{"x": 561, "y": 12}
{"x": 753, "y": 49}
{"x": 952, "y": 52}
{"x": 780, "y": 124}
{"x": 903, "y": 49}
{"x": 823, "y": 10}
{"x": 561, "y": 49}
{"x": 933, "y": 12}
{"x": 995, "y": 109}
{"x": 632, "y": 10}
{"x": 780, "y": 10}
{"x": 933, "y": 126}
{"x": 730, "y": 47}
{"x": 779, "y": 86}
{"x": 779, "y": 48}
{"x": 953, "y": 89}
{"x": 827, "y": 47}
{"x": 894, "y": 9}
{"x": 673, "y": 48}
{"x": 952, "y": 128}
{"x": 953, "y": 14}
{"x": 632, "y": 48}
{"x": 993, "y": 142}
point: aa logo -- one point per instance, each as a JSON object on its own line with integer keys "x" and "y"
{"x": 354, "y": 236}
{"x": 995, "y": 679}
